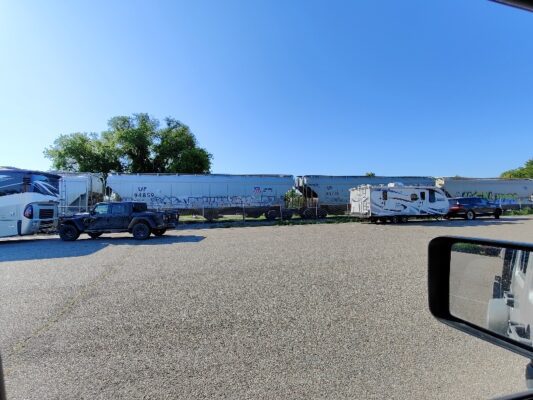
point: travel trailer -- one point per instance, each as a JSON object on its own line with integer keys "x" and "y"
{"x": 397, "y": 203}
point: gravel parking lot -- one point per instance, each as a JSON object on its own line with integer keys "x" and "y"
{"x": 310, "y": 311}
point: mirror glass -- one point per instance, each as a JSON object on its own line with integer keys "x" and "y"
{"x": 492, "y": 287}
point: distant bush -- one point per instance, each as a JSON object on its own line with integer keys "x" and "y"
{"x": 476, "y": 249}
{"x": 523, "y": 211}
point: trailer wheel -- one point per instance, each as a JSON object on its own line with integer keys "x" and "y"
{"x": 322, "y": 213}
{"x": 383, "y": 220}
{"x": 497, "y": 213}
{"x": 68, "y": 233}
{"x": 94, "y": 235}
{"x": 159, "y": 232}
{"x": 395, "y": 220}
{"x": 405, "y": 219}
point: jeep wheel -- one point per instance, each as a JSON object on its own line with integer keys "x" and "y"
{"x": 159, "y": 232}
{"x": 68, "y": 233}
{"x": 140, "y": 231}
{"x": 94, "y": 235}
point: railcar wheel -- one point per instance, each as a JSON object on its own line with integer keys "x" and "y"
{"x": 271, "y": 215}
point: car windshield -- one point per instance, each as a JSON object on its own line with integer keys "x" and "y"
{"x": 234, "y": 199}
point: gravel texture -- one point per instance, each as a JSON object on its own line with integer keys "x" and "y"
{"x": 327, "y": 311}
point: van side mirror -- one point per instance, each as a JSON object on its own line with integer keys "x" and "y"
{"x": 484, "y": 288}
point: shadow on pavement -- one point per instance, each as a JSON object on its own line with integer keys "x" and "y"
{"x": 46, "y": 248}
{"x": 464, "y": 223}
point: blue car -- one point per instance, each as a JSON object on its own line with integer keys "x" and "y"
{"x": 472, "y": 207}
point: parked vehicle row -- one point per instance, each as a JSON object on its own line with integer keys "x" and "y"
{"x": 31, "y": 201}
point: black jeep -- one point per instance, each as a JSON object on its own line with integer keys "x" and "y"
{"x": 132, "y": 217}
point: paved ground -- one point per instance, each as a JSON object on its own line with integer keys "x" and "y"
{"x": 315, "y": 311}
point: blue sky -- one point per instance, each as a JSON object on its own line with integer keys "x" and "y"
{"x": 300, "y": 87}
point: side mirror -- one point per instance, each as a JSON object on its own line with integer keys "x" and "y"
{"x": 484, "y": 288}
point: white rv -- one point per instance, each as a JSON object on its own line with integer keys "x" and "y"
{"x": 28, "y": 201}
{"x": 397, "y": 203}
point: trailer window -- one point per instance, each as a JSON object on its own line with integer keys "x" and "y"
{"x": 414, "y": 197}
{"x": 423, "y": 195}
{"x": 384, "y": 195}
{"x": 431, "y": 196}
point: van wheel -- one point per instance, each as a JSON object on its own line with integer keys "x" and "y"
{"x": 68, "y": 233}
{"x": 140, "y": 231}
{"x": 470, "y": 215}
{"x": 159, "y": 232}
{"x": 95, "y": 235}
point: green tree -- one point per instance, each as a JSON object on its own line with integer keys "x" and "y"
{"x": 294, "y": 198}
{"x": 134, "y": 144}
{"x": 371, "y": 174}
{"x": 84, "y": 152}
{"x": 522, "y": 172}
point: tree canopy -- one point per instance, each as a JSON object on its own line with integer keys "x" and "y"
{"x": 135, "y": 144}
{"x": 522, "y": 172}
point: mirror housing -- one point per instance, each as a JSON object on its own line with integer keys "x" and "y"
{"x": 439, "y": 267}
{"x": 523, "y": 4}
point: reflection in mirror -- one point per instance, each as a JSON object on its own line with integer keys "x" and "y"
{"x": 492, "y": 287}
